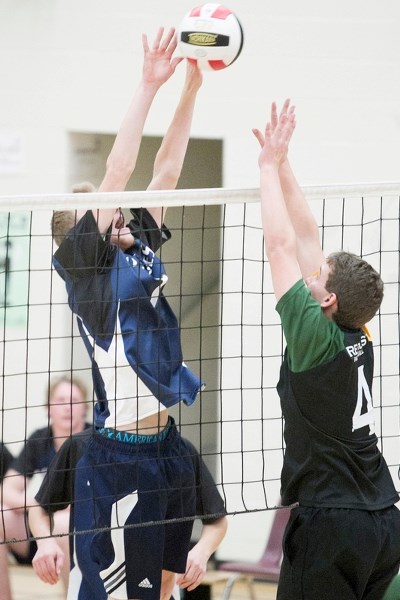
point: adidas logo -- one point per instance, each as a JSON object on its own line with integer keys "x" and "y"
{"x": 145, "y": 583}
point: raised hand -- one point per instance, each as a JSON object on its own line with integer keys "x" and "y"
{"x": 158, "y": 65}
{"x": 287, "y": 109}
{"x": 274, "y": 142}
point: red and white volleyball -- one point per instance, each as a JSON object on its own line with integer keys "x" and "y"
{"x": 210, "y": 35}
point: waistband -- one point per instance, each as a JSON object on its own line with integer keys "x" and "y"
{"x": 127, "y": 437}
{"x": 128, "y": 442}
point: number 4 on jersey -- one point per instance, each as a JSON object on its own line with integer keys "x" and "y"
{"x": 361, "y": 419}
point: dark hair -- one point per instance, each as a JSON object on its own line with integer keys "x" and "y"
{"x": 358, "y": 288}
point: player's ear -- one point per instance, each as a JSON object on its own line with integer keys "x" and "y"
{"x": 330, "y": 300}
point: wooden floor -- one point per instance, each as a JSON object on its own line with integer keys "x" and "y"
{"x": 27, "y": 586}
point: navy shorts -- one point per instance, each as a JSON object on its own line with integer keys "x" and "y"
{"x": 339, "y": 553}
{"x": 121, "y": 491}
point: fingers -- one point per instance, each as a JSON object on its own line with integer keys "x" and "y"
{"x": 274, "y": 115}
{"x": 274, "y": 142}
{"x": 259, "y": 136}
{"x": 46, "y": 570}
{"x": 156, "y": 43}
{"x": 145, "y": 43}
{"x": 285, "y": 107}
{"x": 284, "y": 124}
{"x": 170, "y": 41}
{"x": 190, "y": 581}
{"x": 166, "y": 44}
{"x": 268, "y": 132}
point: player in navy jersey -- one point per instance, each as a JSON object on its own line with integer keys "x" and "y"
{"x": 137, "y": 468}
{"x": 343, "y": 536}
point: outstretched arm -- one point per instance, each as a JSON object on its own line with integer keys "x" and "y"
{"x": 158, "y": 66}
{"x": 309, "y": 251}
{"x": 211, "y": 536}
{"x": 171, "y": 155}
{"x": 279, "y": 234}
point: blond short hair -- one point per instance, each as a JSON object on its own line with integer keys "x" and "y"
{"x": 62, "y": 221}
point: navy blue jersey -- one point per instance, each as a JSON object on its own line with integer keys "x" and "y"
{"x": 332, "y": 457}
{"x": 129, "y": 330}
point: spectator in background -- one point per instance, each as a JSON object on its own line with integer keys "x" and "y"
{"x": 67, "y": 407}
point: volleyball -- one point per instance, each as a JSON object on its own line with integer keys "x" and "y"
{"x": 211, "y": 36}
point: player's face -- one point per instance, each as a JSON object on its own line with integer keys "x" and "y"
{"x": 67, "y": 408}
{"x": 120, "y": 234}
{"x": 317, "y": 283}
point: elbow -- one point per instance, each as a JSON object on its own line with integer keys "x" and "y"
{"x": 119, "y": 170}
{"x": 167, "y": 177}
{"x": 280, "y": 241}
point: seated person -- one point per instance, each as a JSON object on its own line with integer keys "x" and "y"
{"x": 67, "y": 407}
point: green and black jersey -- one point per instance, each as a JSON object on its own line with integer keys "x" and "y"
{"x": 331, "y": 457}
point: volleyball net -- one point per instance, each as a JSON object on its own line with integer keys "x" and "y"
{"x": 220, "y": 289}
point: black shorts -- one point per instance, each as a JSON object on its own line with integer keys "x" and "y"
{"x": 26, "y": 560}
{"x": 339, "y": 553}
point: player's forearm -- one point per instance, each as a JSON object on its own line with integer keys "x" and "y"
{"x": 40, "y": 522}
{"x": 212, "y": 535}
{"x": 171, "y": 155}
{"x": 308, "y": 246}
{"x": 300, "y": 214}
{"x": 123, "y": 156}
{"x": 278, "y": 229}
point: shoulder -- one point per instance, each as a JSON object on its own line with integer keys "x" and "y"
{"x": 71, "y": 451}
{"x": 297, "y": 291}
{"x": 84, "y": 250}
{"x": 41, "y": 435}
{"x": 311, "y": 337}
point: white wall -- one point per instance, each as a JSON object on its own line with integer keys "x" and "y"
{"x": 71, "y": 66}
